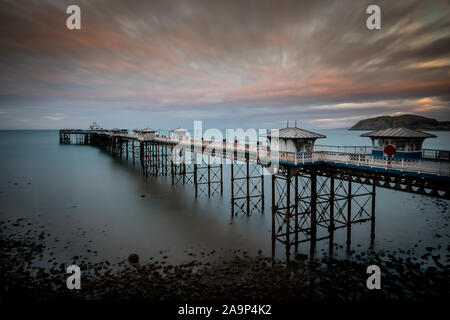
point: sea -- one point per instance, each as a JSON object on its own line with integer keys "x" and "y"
{"x": 94, "y": 206}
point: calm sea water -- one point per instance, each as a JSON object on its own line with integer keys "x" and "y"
{"x": 86, "y": 200}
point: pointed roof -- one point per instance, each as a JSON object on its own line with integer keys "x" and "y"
{"x": 296, "y": 133}
{"x": 398, "y": 133}
{"x": 179, "y": 130}
{"x": 146, "y": 130}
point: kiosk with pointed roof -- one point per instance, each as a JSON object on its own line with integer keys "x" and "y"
{"x": 179, "y": 133}
{"x": 407, "y": 142}
{"x": 147, "y": 133}
{"x": 94, "y": 126}
{"x": 293, "y": 139}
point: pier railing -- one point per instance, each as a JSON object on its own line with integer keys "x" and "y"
{"x": 434, "y": 162}
{"x": 344, "y": 155}
{"x": 344, "y": 149}
{"x": 341, "y": 155}
{"x": 361, "y": 160}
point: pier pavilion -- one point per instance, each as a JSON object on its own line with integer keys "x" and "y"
{"x": 293, "y": 139}
{"x": 407, "y": 142}
{"x": 179, "y": 133}
{"x": 146, "y": 133}
{"x": 94, "y": 126}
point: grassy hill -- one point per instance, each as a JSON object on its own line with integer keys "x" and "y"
{"x": 407, "y": 121}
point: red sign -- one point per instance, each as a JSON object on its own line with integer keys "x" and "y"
{"x": 389, "y": 150}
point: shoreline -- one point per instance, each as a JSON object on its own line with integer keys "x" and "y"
{"x": 239, "y": 278}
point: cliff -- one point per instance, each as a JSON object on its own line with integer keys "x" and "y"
{"x": 407, "y": 121}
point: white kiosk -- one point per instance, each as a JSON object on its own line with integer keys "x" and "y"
{"x": 179, "y": 133}
{"x": 147, "y": 133}
{"x": 293, "y": 139}
{"x": 407, "y": 142}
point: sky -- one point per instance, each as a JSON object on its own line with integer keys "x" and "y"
{"x": 231, "y": 64}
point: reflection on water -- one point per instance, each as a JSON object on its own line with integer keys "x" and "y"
{"x": 103, "y": 208}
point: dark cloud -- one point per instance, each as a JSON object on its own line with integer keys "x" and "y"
{"x": 220, "y": 60}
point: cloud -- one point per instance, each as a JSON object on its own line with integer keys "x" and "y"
{"x": 222, "y": 60}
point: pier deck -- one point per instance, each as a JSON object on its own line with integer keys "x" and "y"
{"x": 353, "y": 157}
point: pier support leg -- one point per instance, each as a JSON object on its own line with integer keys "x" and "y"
{"x": 166, "y": 160}
{"x": 172, "y": 170}
{"x": 349, "y": 215}
{"x": 304, "y": 205}
{"x": 372, "y": 217}
{"x": 262, "y": 189}
{"x": 142, "y": 158}
{"x": 288, "y": 214}
{"x": 195, "y": 175}
{"x": 247, "y": 188}
{"x": 221, "y": 175}
{"x": 296, "y": 212}
{"x": 209, "y": 175}
{"x": 232, "y": 188}
{"x": 282, "y": 208}
{"x": 274, "y": 212}
{"x": 331, "y": 225}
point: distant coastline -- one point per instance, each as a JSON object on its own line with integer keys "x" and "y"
{"x": 407, "y": 121}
